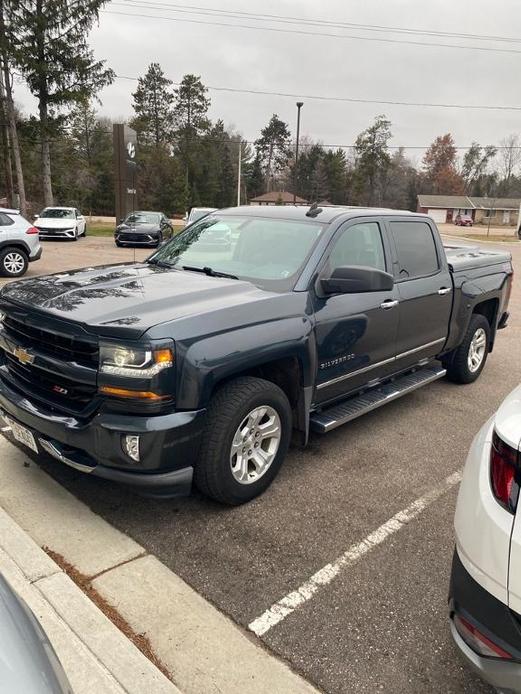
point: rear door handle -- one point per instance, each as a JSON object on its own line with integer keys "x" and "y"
{"x": 444, "y": 290}
{"x": 389, "y": 303}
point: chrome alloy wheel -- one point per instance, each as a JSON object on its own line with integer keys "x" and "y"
{"x": 14, "y": 263}
{"x": 477, "y": 350}
{"x": 255, "y": 444}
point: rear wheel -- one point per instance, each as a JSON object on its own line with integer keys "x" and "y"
{"x": 469, "y": 358}
{"x": 246, "y": 438}
{"x": 13, "y": 262}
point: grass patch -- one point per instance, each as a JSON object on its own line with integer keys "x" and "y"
{"x": 492, "y": 238}
{"x": 100, "y": 229}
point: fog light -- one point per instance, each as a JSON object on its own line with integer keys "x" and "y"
{"x": 131, "y": 447}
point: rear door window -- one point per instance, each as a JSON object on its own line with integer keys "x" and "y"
{"x": 5, "y": 220}
{"x": 415, "y": 248}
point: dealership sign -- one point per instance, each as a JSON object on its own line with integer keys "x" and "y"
{"x": 125, "y": 169}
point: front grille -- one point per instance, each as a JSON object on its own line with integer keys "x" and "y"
{"x": 47, "y": 230}
{"x": 135, "y": 238}
{"x": 61, "y": 394}
{"x": 67, "y": 348}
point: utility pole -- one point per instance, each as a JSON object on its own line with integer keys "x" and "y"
{"x": 239, "y": 175}
{"x": 300, "y": 104}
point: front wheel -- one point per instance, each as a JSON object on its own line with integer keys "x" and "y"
{"x": 469, "y": 358}
{"x": 13, "y": 262}
{"x": 246, "y": 438}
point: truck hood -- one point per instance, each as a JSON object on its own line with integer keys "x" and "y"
{"x": 130, "y": 298}
{"x": 52, "y": 223}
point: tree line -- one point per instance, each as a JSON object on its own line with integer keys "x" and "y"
{"x": 63, "y": 153}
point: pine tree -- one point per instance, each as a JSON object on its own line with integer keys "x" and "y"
{"x": 191, "y": 108}
{"x": 153, "y": 105}
{"x": 254, "y": 176}
{"x": 58, "y": 65}
{"x": 273, "y": 149}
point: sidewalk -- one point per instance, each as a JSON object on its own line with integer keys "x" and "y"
{"x": 96, "y": 656}
{"x": 203, "y": 650}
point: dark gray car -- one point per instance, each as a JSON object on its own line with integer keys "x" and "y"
{"x": 143, "y": 229}
{"x": 28, "y": 662}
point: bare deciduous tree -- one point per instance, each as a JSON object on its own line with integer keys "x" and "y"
{"x": 509, "y": 161}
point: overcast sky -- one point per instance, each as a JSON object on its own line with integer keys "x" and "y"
{"x": 315, "y": 65}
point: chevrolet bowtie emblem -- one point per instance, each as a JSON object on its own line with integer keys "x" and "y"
{"x": 23, "y": 356}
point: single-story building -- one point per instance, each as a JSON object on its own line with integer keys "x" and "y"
{"x": 444, "y": 208}
{"x": 278, "y": 198}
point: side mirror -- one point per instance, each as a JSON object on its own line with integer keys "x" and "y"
{"x": 35, "y": 216}
{"x": 348, "y": 279}
{"x": 121, "y": 220}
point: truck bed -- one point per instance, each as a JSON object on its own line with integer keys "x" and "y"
{"x": 470, "y": 257}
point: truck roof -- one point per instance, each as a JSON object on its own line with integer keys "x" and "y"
{"x": 327, "y": 215}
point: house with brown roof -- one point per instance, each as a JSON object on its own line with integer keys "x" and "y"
{"x": 496, "y": 211}
{"x": 278, "y": 198}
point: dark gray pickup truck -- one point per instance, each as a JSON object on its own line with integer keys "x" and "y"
{"x": 253, "y": 326}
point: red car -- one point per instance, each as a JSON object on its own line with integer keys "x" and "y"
{"x": 463, "y": 220}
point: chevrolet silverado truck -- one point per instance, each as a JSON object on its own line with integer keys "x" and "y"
{"x": 201, "y": 364}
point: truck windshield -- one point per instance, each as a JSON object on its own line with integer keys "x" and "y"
{"x": 268, "y": 252}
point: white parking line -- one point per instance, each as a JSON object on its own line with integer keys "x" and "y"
{"x": 290, "y": 602}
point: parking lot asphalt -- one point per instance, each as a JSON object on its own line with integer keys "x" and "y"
{"x": 380, "y": 622}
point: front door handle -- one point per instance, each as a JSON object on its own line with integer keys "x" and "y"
{"x": 444, "y": 290}
{"x": 389, "y": 303}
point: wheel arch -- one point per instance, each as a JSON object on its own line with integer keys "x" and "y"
{"x": 16, "y": 243}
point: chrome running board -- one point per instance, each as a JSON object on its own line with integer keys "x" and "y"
{"x": 356, "y": 406}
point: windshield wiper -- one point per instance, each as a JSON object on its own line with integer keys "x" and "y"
{"x": 210, "y": 272}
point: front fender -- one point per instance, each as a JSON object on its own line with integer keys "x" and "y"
{"x": 210, "y": 360}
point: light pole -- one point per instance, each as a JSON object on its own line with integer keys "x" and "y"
{"x": 300, "y": 104}
{"x": 239, "y": 175}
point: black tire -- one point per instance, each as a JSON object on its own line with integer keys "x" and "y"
{"x": 458, "y": 369}
{"x": 119, "y": 244}
{"x": 159, "y": 240}
{"x": 84, "y": 232}
{"x": 11, "y": 255}
{"x": 230, "y": 405}
{"x": 76, "y": 236}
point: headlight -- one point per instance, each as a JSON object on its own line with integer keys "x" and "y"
{"x": 134, "y": 362}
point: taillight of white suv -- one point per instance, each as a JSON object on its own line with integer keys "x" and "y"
{"x": 504, "y": 473}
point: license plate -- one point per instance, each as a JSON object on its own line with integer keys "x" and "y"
{"x": 22, "y": 435}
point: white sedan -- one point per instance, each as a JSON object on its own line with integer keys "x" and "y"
{"x": 485, "y": 592}
{"x": 61, "y": 222}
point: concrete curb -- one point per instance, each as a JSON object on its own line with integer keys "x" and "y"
{"x": 96, "y": 656}
{"x": 203, "y": 650}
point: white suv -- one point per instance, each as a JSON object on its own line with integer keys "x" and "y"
{"x": 485, "y": 592}
{"x": 19, "y": 243}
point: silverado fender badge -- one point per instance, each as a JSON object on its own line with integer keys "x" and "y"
{"x": 23, "y": 356}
